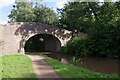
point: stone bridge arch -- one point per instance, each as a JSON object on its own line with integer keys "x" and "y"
{"x": 51, "y": 43}
{"x": 15, "y": 35}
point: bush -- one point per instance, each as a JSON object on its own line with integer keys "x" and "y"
{"x": 101, "y": 41}
{"x": 77, "y": 46}
{"x": 105, "y": 40}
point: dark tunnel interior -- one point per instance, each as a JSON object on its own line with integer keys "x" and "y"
{"x": 42, "y": 43}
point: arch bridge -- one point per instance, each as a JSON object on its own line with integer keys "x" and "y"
{"x": 15, "y": 36}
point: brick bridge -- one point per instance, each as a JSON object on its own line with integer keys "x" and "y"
{"x": 15, "y": 36}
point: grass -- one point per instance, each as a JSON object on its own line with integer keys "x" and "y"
{"x": 17, "y": 66}
{"x": 71, "y": 71}
{"x": 20, "y": 66}
{"x": 0, "y": 68}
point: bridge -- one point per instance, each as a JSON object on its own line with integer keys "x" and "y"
{"x": 15, "y": 36}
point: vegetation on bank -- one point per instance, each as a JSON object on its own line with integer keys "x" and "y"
{"x": 101, "y": 41}
{"x": 71, "y": 71}
{"x": 101, "y": 23}
{"x": 17, "y": 66}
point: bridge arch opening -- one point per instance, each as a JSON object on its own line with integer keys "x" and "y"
{"x": 42, "y": 43}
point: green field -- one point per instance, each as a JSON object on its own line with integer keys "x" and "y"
{"x": 17, "y": 66}
{"x": 71, "y": 71}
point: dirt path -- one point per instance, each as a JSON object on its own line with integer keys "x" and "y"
{"x": 42, "y": 69}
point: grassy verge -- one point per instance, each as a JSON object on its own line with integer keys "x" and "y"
{"x": 0, "y": 67}
{"x": 17, "y": 66}
{"x": 71, "y": 71}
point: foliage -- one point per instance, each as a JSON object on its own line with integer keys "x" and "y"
{"x": 101, "y": 41}
{"x": 74, "y": 73}
{"x": 1, "y": 45}
{"x": 17, "y": 66}
{"x": 45, "y": 15}
{"x": 81, "y": 16}
{"x": 105, "y": 40}
{"x": 32, "y": 12}
{"x": 73, "y": 16}
{"x": 77, "y": 47}
{"x": 101, "y": 24}
{"x": 22, "y": 12}
{"x": 76, "y": 62}
{"x": 1, "y": 42}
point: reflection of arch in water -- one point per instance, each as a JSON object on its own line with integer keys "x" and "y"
{"x": 51, "y": 43}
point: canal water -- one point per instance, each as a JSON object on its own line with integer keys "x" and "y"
{"x": 92, "y": 63}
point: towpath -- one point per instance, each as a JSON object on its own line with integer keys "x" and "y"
{"x": 42, "y": 69}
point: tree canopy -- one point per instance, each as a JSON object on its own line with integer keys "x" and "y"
{"x": 100, "y": 22}
{"x": 83, "y": 15}
{"x": 32, "y": 12}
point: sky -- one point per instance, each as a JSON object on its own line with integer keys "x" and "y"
{"x": 7, "y": 5}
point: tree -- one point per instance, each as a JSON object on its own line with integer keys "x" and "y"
{"x": 32, "y": 12}
{"x": 22, "y": 12}
{"x": 77, "y": 16}
{"x": 45, "y": 15}
{"x": 109, "y": 12}
{"x": 103, "y": 28}
{"x": 81, "y": 16}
